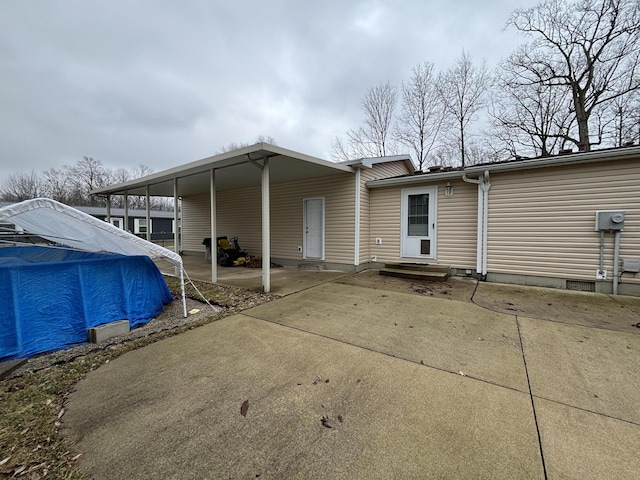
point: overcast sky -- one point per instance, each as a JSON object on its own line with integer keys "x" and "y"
{"x": 165, "y": 82}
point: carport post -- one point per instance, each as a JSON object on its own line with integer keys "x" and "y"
{"x": 108, "y": 219}
{"x": 214, "y": 241}
{"x": 126, "y": 211}
{"x": 266, "y": 229}
{"x": 147, "y": 203}
{"x": 176, "y": 218}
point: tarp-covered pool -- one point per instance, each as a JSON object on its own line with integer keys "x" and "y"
{"x": 50, "y": 297}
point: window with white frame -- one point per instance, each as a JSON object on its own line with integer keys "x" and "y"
{"x": 118, "y": 222}
{"x": 140, "y": 225}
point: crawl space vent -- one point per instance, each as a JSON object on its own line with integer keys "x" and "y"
{"x": 579, "y": 286}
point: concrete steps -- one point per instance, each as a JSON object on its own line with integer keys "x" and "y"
{"x": 417, "y": 271}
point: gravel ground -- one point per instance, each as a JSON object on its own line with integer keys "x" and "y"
{"x": 170, "y": 317}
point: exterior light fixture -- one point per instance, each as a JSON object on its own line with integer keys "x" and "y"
{"x": 448, "y": 190}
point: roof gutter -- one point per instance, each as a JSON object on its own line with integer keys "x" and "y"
{"x": 417, "y": 178}
{"x": 559, "y": 160}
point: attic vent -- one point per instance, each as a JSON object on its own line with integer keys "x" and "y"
{"x": 565, "y": 151}
{"x": 435, "y": 168}
{"x": 579, "y": 286}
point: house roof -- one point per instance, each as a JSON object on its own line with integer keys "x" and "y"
{"x": 610, "y": 154}
{"x": 237, "y": 168}
{"x": 370, "y": 161}
{"x": 620, "y": 153}
{"x": 119, "y": 212}
{"x": 115, "y": 212}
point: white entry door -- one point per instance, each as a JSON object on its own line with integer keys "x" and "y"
{"x": 313, "y": 224}
{"x": 419, "y": 222}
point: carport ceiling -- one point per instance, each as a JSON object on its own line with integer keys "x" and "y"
{"x": 234, "y": 169}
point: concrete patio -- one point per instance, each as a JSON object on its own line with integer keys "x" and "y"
{"x": 365, "y": 377}
{"x": 284, "y": 280}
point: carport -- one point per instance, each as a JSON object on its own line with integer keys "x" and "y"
{"x": 260, "y": 164}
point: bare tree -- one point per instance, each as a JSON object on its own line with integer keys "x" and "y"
{"x": 624, "y": 119}
{"x": 373, "y": 139}
{"x": 590, "y": 47}
{"x": 87, "y": 175}
{"x": 529, "y": 119}
{"x": 341, "y": 151}
{"x": 72, "y": 185}
{"x": 422, "y": 113}
{"x": 21, "y": 186}
{"x": 237, "y": 145}
{"x": 56, "y": 185}
{"x": 463, "y": 89}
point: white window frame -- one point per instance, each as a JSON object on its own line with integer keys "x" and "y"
{"x": 173, "y": 226}
{"x": 136, "y": 226}
{"x": 117, "y": 222}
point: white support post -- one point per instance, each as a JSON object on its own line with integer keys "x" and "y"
{"x": 480, "y": 234}
{"x": 356, "y": 240}
{"x": 148, "y": 205}
{"x": 176, "y": 218}
{"x": 266, "y": 229}
{"x": 486, "y": 186}
{"x": 214, "y": 241}
{"x": 126, "y": 211}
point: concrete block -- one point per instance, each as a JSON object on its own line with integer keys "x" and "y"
{"x": 9, "y": 366}
{"x": 108, "y": 330}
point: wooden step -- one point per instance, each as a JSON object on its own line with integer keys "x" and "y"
{"x": 421, "y": 267}
{"x": 414, "y": 274}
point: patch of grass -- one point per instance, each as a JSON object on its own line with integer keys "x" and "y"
{"x": 32, "y": 405}
{"x": 235, "y": 299}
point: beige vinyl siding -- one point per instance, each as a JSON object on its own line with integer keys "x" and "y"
{"x": 379, "y": 170}
{"x": 456, "y": 218}
{"x": 239, "y": 213}
{"x": 196, "y": 223}
{"x": 385, "y": 223}
{"x": 387, "y": 170}
{"x": 541, "y": 222}
{"x": 365, "y": 216}
{"x": 338, "y": 192}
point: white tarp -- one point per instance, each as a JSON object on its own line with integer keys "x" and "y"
{"x": 62, "y": 224}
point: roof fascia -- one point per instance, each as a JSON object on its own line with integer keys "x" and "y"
{"x": 561, "y": 160}
{"x": 420, "y": 178}
{"x": 370, "y": 161}
{"x": 223, "y": 160}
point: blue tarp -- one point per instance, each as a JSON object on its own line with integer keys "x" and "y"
{"x": 50, "y": 297}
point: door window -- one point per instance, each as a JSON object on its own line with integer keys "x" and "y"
{"x": 418, "y": 216}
